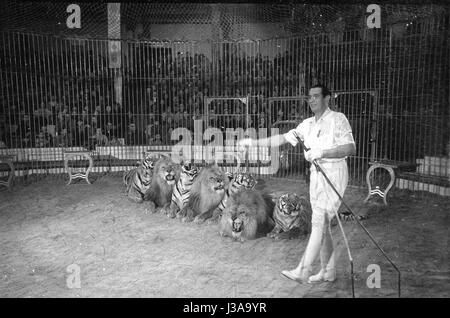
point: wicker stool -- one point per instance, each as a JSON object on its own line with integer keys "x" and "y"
{"x": 8, "y": 159}
{"x": 70, "y": 155}
{"x": 377, "y": 190}
{"x": 392, "y": 167}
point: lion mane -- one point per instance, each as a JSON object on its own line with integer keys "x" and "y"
{"x": 165, "y": 175}
{"x": 248, "y": 215}
{"x": 206, "y": 194}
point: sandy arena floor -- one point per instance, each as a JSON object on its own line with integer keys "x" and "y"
{"x": 122, "y": 251}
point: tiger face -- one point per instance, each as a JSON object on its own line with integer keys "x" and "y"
{"x": 148, "y": 164}
{"x": 241, "y": 181}
{"x": 188, "y": 173}
{"x": 289, "y": 204}
{"x": 167, "y": 170}
{"x": 292, "y": 211}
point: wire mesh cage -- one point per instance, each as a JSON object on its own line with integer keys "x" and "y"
{"x": 68, "y": 89}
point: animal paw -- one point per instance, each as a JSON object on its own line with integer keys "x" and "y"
{"x": 296, "y": 232}
{"x": 171, "y": 214}
{"x": 215, "y": 219}
{"x": 188, "y": 215}
{"x": 199, "y": 219}
{"x": 163, "y": 210}
{"x": 274, "y": 233}
{"x": 134, "y": 199}
{"x": 348, "y": 216}
{"x": 212, "y": 221}
{"x": 281, "y": 236}
{"x": 181, "y": 214}
{"x": 186, "y": 219}
{"x": 151, "y": 207}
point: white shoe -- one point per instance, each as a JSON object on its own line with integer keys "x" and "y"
{"x": 328, "y": 275}
{"x": 317, "y": 278}
{"x": 294, "y": 275}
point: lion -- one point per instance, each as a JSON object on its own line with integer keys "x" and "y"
{"x": 206, "y": 194}
{"x": 292, "y": 216}
{"x": 237, "y": 182}
{"x": 165, "y": 176}
{"x": 248, "y": 216}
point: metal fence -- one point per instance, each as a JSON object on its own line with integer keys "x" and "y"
{"x": 120, "y": 98}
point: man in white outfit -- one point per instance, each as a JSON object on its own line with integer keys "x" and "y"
{"x": 329, "y": 137}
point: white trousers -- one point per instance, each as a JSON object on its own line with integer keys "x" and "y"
{"x": 324, "y": 203}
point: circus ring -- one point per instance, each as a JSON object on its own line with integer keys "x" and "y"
{"x": 49, "y": 229}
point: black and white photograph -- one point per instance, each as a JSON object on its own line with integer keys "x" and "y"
{"x": 246, "y": 151}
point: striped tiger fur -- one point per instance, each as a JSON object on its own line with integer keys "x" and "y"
{"x": 181, "y": 191}
{"x": 137, "y": 181}
{"x": 238, "y": 181}
{"x": 292, "y": 216}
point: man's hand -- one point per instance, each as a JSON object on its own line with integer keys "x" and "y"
{"x": 313, "y": 154}
{"x": 246, "y": 142}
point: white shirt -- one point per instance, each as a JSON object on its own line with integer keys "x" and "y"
{"x": 331, "y": 130}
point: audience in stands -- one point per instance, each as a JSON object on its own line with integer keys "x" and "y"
{"x": 168, "y": 93}
{"x": 99, "y": 138}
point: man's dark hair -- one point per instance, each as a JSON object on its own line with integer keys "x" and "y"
{"x": 325, "y": 91}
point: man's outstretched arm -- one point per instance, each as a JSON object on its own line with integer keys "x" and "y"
{"x": 274, "y": 141}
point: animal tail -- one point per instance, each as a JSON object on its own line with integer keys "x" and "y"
{"x": 126, "y": 177}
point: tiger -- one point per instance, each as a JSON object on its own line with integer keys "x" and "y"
{"x": 182, "y": 190}
{"x": 238, "y": 181}
{"x": 137, "y": 181}
{"x": 292, "y": 216}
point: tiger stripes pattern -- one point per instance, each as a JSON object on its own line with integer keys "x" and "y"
{"x": 137, "y": 181}
{"x": 291, "y": 212}
{"x": 182, "y": 190}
